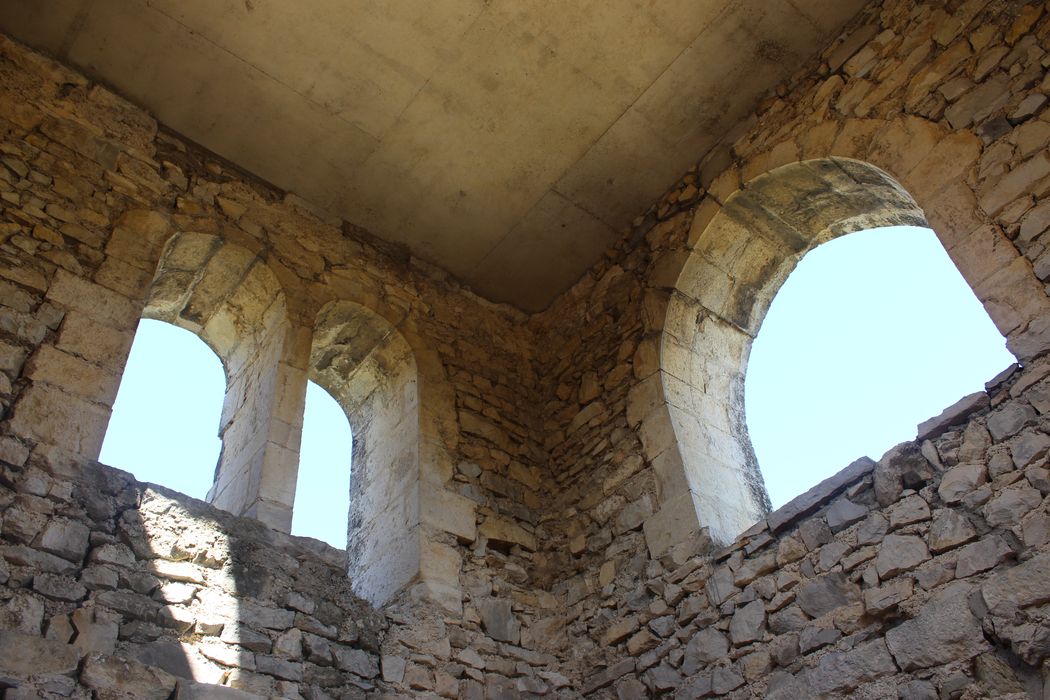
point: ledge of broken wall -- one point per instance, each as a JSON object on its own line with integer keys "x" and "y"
{"x": 922, "y": 575}
{"x": 121, "y": 587}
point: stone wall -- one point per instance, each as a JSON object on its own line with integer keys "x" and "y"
{"x": 939, "y": 109}
{"x": 920, "y": 576}
{"x": 125, "y": 590}
{"x": 96, "y": 201}
{"x": 573, "y": 473}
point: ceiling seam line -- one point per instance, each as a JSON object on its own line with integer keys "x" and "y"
{"x": 262, "y": 72}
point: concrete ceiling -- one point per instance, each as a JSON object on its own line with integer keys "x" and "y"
{"x": 508, "y": 141}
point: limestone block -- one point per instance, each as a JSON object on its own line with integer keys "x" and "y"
{"x": 843, "y": 513}
{"x": 1030, "y": 446}
{"x": 818, "y": 495}
{"x": 22, "y": 656}
{"x": 748, "y": 623}
{"x": 356, "y": 661}
{"x": 439, "y": 569}
{"x": 96, "y": 632}
{"x": 879, "y": 601}
{"x": 707, "y": 646}
{"x": 960, "y": 480}
{"x": 113, "y": 678}
{"x": 899, "y": 553}
{"x": 949, "y": 529}
{"x": 981, "y": 556}
{"x": 72, "y": 374}
{"x": 104, "y": 305}
{"x": 644, "y": 398}
{"x": 65, "y": 538}
{"x": 449, "y": 512}
{"x": 844, "y": 671}
{"x": 1008, "y": 420}
{"x": 674, "y": 522}
{"x": 1011, "y": 505}
{"x": 282, "y": 668}
{"x": 49, "y": 415}
{"x": 505, "y": 531}
{"x": 910, "y": 510}
{"x": 825, "y": 594}
{"x": 944, "y": 631}
{"x": 1021, "y": 586}
{"x": 498, "y": 620}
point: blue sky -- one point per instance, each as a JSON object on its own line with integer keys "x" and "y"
{"x": 871, "y": 334}
{"x": 166, "y": 418}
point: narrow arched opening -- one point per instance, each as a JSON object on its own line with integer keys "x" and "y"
{"x": 164, "y": 426}
{"x": 871, "y": 334}
{"x": 369, "y": 369}
{"x": 322, "y": 492}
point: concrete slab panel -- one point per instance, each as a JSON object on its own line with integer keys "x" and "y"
{"x": 23, "y": 19}
{"x": 361, "y": 61}
{"x": 552, "y": 239}
{"x": 460, "y": 128}
{"x": 215, "y": 98}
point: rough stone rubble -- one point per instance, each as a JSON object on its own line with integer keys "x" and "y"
{"x": 546, "y": 549}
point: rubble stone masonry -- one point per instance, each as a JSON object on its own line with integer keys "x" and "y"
{"x": 563, "y": 504}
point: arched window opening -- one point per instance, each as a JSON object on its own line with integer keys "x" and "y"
{"x": 164, "y": 427}
{"x": 872, "y": 333}
{"x": 322, "y": 494}
{"x": 369, "y": 369}
{"x": 690, "y": 413}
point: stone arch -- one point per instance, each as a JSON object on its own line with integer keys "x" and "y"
{"x": 399, "y": 508}
{"x": 229, "y": 297}
{"x": 366, "y": 365}
{"x": 759, "y": 218}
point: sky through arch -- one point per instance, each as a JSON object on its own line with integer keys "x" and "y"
{"x": 871, "y": 334}
{"x": 165, "y": 422}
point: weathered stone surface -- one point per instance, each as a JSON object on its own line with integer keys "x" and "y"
{"x": 879, "y": 601}
{"x": 292, "y": 670}
{"x": 899, "y": 553}
{"x": 23, "y": 655}
{"x": 814, "y": 497}
{"x": 960, "y": 480}
{"x": 912, "y": 509}
{"x": 393, "y": 668}
{"x": 950, "y": 528}
{"x": 706, "y": 647}
{"x": 955, "y": 414}
{"x": 498, "y": 620}
{"x": 1029, "y": 447}
{"x": 65, "y": 538}
{"x": 847, "y": 670}
{"x": 1022, "y": 586}
{"x": 981, "y": 556}
{"x": 113, "y": 678}
{"x": 505, "y": 531}
{"x": 748, "y": 623}
{"x": 843, "y": 513}
{"x": 826, "y": 594}
{"x": 607, "y": 675}
{"x": 1010, "y": 506}
{"x": 816, "y": 637}
{"x": 945, "y": 630}
{"x": 1009, "y": 420}
{"x": 356, "y": 661}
